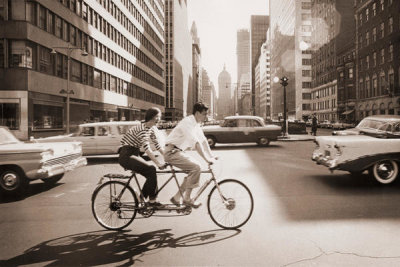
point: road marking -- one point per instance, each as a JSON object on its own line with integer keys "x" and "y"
{"x": 58, "y": 195}
{"x": 81, "y": 187}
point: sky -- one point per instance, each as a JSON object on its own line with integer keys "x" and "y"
{"x": 217, "y": 22}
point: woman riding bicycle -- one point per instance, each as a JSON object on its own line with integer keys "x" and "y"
{"x": 138, "y": 139}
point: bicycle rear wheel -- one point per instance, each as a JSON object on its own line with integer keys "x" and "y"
{"x": 231, "y": 207}
{"x": 111, "y": 211}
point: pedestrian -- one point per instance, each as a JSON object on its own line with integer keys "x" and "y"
{"x": 137, "y": 141}
{"x": 188, "y": 134}
{"x": 314, "y": 125}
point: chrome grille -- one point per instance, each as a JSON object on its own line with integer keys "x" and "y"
{"x": 61, "y": 160}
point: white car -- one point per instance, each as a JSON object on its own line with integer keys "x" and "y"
{"x": 97, "y": 138}
{"x": 375, "y": 150}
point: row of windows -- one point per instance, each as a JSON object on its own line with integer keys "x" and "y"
{"x": 323, "y": 92}
{"x": 373, "y": 62}
{"x": 374, "y": 10}
{"x": 327, "y": 104}
{"x": 371, "y": 37}
{"x": 349, "y": 74}
{"x": 379, "y": 85}
{"x": 25, "y": 55}
{"x": 55, "y": 25}
{"x": 94, "y": 19}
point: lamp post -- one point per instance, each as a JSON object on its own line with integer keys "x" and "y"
{"x": 284, "y": 82}
{"x": 68, "y": 92}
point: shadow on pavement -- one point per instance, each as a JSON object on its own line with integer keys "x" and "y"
{"x": 238, "y": 147}
{"x": 105, "y": 247}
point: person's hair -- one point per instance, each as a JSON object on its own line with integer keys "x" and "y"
{"x": 200, "y": 107}
{"x": 151, "y": 113}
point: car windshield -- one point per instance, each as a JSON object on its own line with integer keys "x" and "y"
{"x": 373, "y": 124}
{"x": 6, "y": 137}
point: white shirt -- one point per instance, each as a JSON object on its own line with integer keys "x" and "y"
{"x": 186, "y": 134}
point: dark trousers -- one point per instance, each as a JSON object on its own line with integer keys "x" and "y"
{"x": 129, "y": 158}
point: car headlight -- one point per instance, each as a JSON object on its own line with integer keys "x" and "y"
{"x": 46, "y": 155}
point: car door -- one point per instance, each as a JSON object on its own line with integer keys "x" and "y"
{"x": 256, "y": 130}
{"x": 228, "y": 130}
{"x": 86, "y": 135}
{"x": 107, "y": 141}
{"x": 245, "y": 131}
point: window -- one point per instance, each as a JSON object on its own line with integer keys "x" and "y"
{"x": 382, "y": 30}
{"x": 366, "y": 14}
{"x": 306, "y": 61}
{"x": 10, "y": 114}
{"x": 382, "y": 5}
{"x": 58, "y": 27}
{"x": 367, "y": 87}
{"x": 30, "y": 12}
{"x": 306, "y": 5}
{"x": 42, "y": 18}
{"x": 374, "y": 9}
{"x": 351, "y": 73}
{"x": 341, "y": 76}
{"x": 374, "y": 85}
{"x": 97, "y": 78}
{"x": 367, "y": 62}
{"x": 374, "y": 34}
{"x": 361, "y": 19}
{"x": 59, "y": 64}
{"x": 45, "y": 60}
{"x": 367, "y": 38}
{"x": 390, "y": 25}
{"x": 383, "y": 56}
{"x": 47, "y": 117}
{"x": 50, "y": 22}
{"x": 374, "y": 59}
{"x": 76, "y": 71}
{"x": 391, "y": 53}
{"x": 306, "y": 73}
{"x": 2, "y": 53}
{"x": 306, "y": 85}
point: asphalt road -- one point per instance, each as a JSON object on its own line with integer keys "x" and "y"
{"x": 303, "y": 216}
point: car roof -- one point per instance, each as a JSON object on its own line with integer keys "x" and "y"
{"x": 243, "y": 117}
{"x": 391, "y": 118}
{"x": 109, "y": 123}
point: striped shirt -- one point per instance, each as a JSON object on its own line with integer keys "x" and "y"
{"x": 139, "y": 136}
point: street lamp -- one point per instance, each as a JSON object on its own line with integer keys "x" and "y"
{"x": 284, "y": 81}
{"x": 68, "y": 92}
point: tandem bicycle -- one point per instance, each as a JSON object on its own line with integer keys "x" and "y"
{"x": 115, "y": 203}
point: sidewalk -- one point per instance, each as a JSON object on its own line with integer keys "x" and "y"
{"x": 296, "y": 137}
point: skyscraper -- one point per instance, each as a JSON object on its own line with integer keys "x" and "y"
{"x": 225, "y": 101}
{"x": 242, "y": 53}
{"x": 259, "y": 25}
{"x": 196, "y": 94}
{"x": 178, "y": 55}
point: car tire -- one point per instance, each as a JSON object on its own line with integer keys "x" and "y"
{"x": 13, "y": 181}
{"x": 263, "y": 141}
{"x": 211, "y": 141}
{"x": 385, "y": 171}
{"x": 53, "y": 180}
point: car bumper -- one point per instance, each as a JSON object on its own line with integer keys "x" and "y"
{"x": 321, "y": 159}
{"x": 49, "y": 171}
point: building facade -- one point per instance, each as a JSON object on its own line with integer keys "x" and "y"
{"x": 290, "y": 37}
{"x": 178, "y": 60}
{"x": 196, "y": 94}
{"x": 259, "y": 25}
{"x": 208, "y": 94}
{"x": 114, "y": 50}
{"x": 377, "y": 57}
{"x": 242, "y": 54}
{"x": 265, "y": 82}
{"x": 333, "y": 29}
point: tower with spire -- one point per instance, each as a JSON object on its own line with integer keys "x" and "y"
{"x": 225, "y": 101}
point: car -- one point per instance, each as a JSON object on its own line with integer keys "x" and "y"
{"x": 372, "y": 125}
{"x": 242, "y": 129}
{"x": 337, "y": 125}
{"x": 325, "y": 124}
{"x": 98, "y": 138}
{"x": 374, "y": 145}
{"x": 22, "y": 162}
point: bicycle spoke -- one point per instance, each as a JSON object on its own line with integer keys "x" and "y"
{"x": 111, "y": 212}
{"x": 236, "y": 208}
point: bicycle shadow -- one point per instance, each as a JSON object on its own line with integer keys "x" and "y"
{"x": 105, "y": 247}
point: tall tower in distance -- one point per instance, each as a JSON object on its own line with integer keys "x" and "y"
{"x": 242, "y": 53}
{"x": 259, "y": 25}
{"x": 225, "y": 103}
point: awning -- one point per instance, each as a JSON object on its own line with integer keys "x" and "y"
{"x": 347, "y": 112}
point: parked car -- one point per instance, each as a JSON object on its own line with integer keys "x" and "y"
{"x": 98, "y": 138}
{"x": 337, "y": 125}
{"x": 242, "y": 129}
{"x": 325, "y": 124}
{"x": 22, "y": 162}
{"x": 375, "y": 148}
{"x": 372, "y": 125}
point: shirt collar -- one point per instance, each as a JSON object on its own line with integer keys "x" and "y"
{"x": 193, "y": 119}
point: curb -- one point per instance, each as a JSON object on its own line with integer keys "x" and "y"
{"x": 294, "y": 139}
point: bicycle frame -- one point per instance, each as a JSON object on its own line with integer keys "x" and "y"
{"x": 173, "y": 173}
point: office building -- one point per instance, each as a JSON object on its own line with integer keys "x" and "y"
{"x": 290, "y": 40}
{"x": 258, "y": 31}
{"x": 196, "y": 94}
{"x": 116, "y": 63}
{"x": 377, "y": 57}
{"x": 209, "y": 96}
{"x": 225, "y": 105}
{"x": 178, "y": 61}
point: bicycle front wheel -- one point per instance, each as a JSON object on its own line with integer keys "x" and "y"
{"x": 111, "y": 209}
{"x": 231, "y": 205}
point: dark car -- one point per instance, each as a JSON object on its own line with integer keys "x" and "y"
{"x": 374, "y": 145}
{"x": 242, "y": 129}
{"x": 373, "y": 125}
